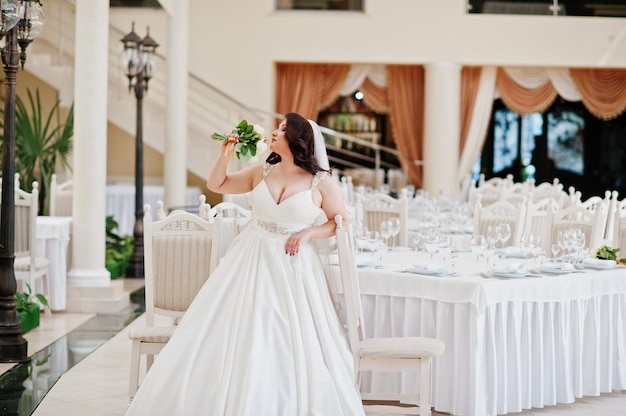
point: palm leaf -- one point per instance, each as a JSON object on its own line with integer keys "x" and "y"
{"x": 42, "y": 140}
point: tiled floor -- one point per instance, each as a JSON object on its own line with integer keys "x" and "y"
{"x": 97, "y": 384}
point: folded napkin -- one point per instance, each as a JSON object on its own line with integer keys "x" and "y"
{"x": 511, "y": 252}
{"x": 364, "y": 261}
{"x": 426, "y": 269}
{"x": 599, "y": 263}
{"x": 513, "y": 268}
{"x": 557, "y": 267}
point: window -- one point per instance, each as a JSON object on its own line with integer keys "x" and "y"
{"x": 152, "y": 4}
{"x": 606, "y": 8}
{"x": 566, "y": 129}
{"x": 356, "y": 5}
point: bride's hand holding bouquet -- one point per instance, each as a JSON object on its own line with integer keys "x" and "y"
{"x": 244, "y": 142}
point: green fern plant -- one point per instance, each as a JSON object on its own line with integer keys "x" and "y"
{"x": 43, "y": 142}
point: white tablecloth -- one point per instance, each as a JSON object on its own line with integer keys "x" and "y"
{"x": 120, "y": 202}
{"x": 510, "y": 344}
{"x": 52, "y": 242}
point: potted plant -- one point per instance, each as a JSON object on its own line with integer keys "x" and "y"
{"x": 28, "y": 309}
{"x": 118, "y": 249}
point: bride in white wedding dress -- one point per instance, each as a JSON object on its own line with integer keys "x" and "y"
{"x": 262, "y": 336}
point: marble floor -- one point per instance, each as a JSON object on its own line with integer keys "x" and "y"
{"x": 81, "y": 364}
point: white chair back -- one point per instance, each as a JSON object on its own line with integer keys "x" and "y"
{"x": 576, "y": 216}
{"x": 500, "y": 212}
{"x": 372, "y": 210}
{"x": 60, "y": 197}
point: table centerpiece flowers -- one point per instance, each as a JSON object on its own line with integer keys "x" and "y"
{"x": 609, "y": 253}
{"x": 248, "y": 140}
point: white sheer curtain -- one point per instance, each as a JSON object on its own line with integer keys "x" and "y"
{"x": 357, "y": 74}
{"x": 481, "y": 115}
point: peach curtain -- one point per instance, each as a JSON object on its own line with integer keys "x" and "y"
{"x": 603, "y": 91}
{"x": 376, "y": 97}
{"x": 470, "y": 81}
{"x": 333, "y": 77}
{"x": 523, "y": 100}
{"x": 298, "y": 89}
{"x": 307, "y": 88}
{"x": 405, "y": 88}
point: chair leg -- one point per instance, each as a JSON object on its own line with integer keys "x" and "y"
{"x": 133, "y": 380}
{"x": 425, "y": 380}
{"x": 46, "y": 292}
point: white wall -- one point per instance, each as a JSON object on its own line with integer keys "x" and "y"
{"x": 234, "y": 44}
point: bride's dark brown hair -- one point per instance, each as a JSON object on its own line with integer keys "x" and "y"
{"x": 301, "y": 140}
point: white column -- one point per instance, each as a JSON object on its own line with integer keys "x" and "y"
{"x": 442, "y": 98}
{"x": 175, "y": 156}
{"x": 90, "y": 144}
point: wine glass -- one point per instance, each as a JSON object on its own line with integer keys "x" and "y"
{"x": 504, "y": 233}
{"x": 489, "y": 250}
{"x": 385, "y": 231}
{"x": 556, "y": 249}
{"x": 360, "y": 238}
{"x": 445, "y": 248}
{"x": 431, "y": 245}
{"x": 395, "y": 229}
{"x": 477, "y": 245}
{"x": 373, "y": 242}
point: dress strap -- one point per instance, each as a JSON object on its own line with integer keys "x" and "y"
{"x": 267, "y": 168}
{"x": 320, "y": 175}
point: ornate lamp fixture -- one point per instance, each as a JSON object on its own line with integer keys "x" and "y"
{"x": 22, "y": 21}
{"x": 138, "y": 64}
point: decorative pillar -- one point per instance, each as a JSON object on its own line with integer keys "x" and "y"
{"x": 90, "y": 148}
{"x": 442, "y": 97}
{"x": 176, "y": 137}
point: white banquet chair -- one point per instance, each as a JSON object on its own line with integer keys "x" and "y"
{"x": 373, "y": 209}
{"x": 500, "y": 212}
{"x": 536, "y": 220}
{"x": 226, "y": 228}
{"x": 177, "y": 255}
{"x": 576, "y": 216}
{"x": 27, "y": 266}
{"x": 61, "y": 195}
{"x": 400, "y": 354}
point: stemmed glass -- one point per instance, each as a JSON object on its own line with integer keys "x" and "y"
{"x": 431, "y": 245}
{"x": 385, "y": 231}
{"x": 360, "y": 238}
{"x": 556, "y": 249}
{"x": 373, "y": 243}
{"x": 489, "y": 250}
{"x": 395, "y": 230}
{"x": 477, "y": 245}
{"x": 504, "y": 233}
{"x": 492, "y": 235}
{"x": 445, "y": 248}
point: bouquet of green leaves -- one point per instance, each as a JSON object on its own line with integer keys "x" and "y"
{"x": 609, "y": 253}
{"x": 247, "y": 140}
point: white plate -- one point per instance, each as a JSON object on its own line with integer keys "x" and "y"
{"x": 557, "y": 268}
{"x": 512, "y": 275}
{"x": 599, "y": 264}
{"x": 427, "y": 270}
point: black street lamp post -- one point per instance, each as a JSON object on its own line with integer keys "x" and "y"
{"x": 138, "y": 63}
{"x": 22, "y": 21}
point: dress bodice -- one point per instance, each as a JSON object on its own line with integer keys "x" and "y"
{"x": 290, "y": 215}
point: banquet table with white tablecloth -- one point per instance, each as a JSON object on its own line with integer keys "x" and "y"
{"x": 511, "y": 343}
{"x": 52, "y": 241}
